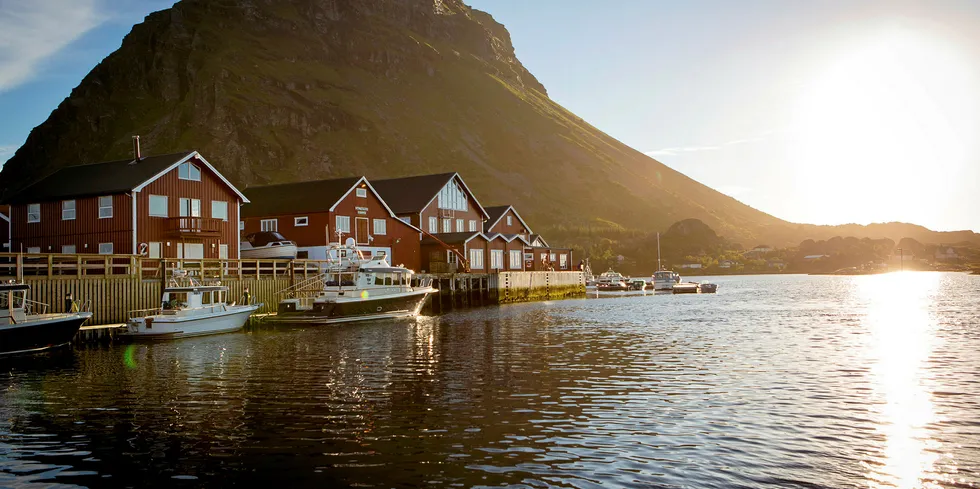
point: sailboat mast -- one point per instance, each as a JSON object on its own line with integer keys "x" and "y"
{"x": 659, "y": 265}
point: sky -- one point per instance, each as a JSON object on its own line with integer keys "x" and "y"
{"x": 824, "y": 112}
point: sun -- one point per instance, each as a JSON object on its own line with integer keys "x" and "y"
{"x": 882, "y": 125}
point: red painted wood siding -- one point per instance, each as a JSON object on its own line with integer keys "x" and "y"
{"x": 86, "y": 229}
{"x": 515, "y": 228}
{"x": 473, "y": 212}
{"x": 210, "y": 188}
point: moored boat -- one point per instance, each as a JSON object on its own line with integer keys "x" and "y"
{"x": 188, "y": 310}
{"x": 26, "y": 327}
{"x": 708, "y": 288}
{"x": 369, "y": 290}
{"x": 613, "y": 286}
{"x": 268, "y": 245}
{"x": 687, "y": 288}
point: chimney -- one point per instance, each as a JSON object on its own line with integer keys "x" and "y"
{"x": 136, "y": 148}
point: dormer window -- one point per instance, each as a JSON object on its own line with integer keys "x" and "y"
{"x": 189, "y": 171}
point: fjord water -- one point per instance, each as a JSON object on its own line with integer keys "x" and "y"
{"x": 780, "y": 381}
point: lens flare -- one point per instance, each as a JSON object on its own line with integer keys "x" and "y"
{"x": 128, "y": 357}
{"x": 364, "y": 294}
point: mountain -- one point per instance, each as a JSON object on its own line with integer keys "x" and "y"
{"x": 282, "y": 90}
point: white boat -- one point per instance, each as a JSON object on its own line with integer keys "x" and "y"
{"x": 26, "y": 327}
{"x": 372, "y": 289}
{"x": 189, "y": 310}
{"x": 267, "y": 245}
{"x": 664, "y": 279}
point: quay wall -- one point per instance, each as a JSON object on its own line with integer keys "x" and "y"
{"x": 537, "y": 286}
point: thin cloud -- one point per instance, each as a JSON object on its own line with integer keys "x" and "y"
{"x": 32, "y": 31}
{"x": 715, "y": 147}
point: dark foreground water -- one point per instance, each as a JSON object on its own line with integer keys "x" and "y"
{"x": 788, "y": 381}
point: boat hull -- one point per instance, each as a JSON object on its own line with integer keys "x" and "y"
{"x": 40, "y": 335}
{"x": 284, "y": 252}
{"x": 175, "y": 327}
{"x": 687, "y": 289}
{"x": 351, "y": 309}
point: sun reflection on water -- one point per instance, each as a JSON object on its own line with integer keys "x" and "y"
{"x": 902, "y": 338}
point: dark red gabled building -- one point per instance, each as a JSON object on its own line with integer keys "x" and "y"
{"x": 436, "y": 204}
{"x": 167, "y": 206}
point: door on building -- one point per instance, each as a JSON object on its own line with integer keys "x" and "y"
{"x": 362, "y": 230}
{"x": 155, "y": 250}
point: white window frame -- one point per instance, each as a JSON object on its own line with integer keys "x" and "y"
{"x": 510, "y": 220}
{"x": 33, "y": 249}
{"x": 269, "y": 225}
{"x": 380, "y": 227}
{"x": 406, "y": 220}
{"x": 459, "y": 225}
{"x": 166, "y": 205}
{"x": 193, "y": 207}
{"x": 361, "y": 192}
{"x": 473, "y": 228}
{"x": 476, "y": 259}
{"x": 433, "y": 225}
{"x": 563, "y": 261}
{"x": 343, "y": 224}
{"x": 65, "y": 249}
{"x": 222, "y": 251}
{"x": 105, "y": 248}
{"x": 103, "y": 208}
{"x": 519, "y": 262}
{"x": 496, "y": 259}
{"x": 35, "y": 211}
{"x": 301, "y": 221}
{"x": 447, "y": 225}
{"x": 186, "y": 171}
{"x": 219, "y": 204}
{"x": 68, "y": 214}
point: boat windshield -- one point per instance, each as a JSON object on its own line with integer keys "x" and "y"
{"x": 264, "y": 238}
{"x": 13, "y": 300}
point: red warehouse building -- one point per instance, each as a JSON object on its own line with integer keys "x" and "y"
{"x": 168, "y": 206}
{"x": 436, "y": 204}
{"x": 315, "y": 214}
{"x": 504, "y": 219}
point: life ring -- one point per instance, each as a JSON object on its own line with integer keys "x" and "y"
{"x": 143, "y": 248}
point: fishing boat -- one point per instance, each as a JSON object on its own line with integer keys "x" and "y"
{"x": 638, "y": 284}
{"x": 268, "y": 245}
{"x": 188, "y": 309}
{"x": 664, "y": 280}
{"x": 708, "y": 288}
{"x": 26, "y": 327}
{"x": 371, "y": 289}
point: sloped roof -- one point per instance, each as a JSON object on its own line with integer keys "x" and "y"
{"x": 496, "y": 213}
{"x": 297, "y": 197}
{"x": 110, "y": 177}
{"x": 409, "y": 195}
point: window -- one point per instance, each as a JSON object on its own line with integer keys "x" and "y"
{"x": 510, "y": 220}
{"x": 515, "y": 259}
{"x": 496, "y": 259}
{"x": 459, "y": 225}
{"x": 154, "y": 249}
{"x": 34, "y": 249}
{"x": 361, "y": 192}
{"x": 189, "y": 171}
{"x": 301, "y": 221}
{"x": 343, "y": 224}
{"x": 67, "y": 210}
{"x": 433, "y": 225}
{"x": 452, "y": 196}
{"x": 223, "y": 252}
{"x": 472, "y": 226}
{"x": 68, "y": 249}
{"x": 33, "y": 212}
{"x": 563, "y": 261}
{"x": 241, "y": 225}
{"x": 158, "y": 205}
{"x": 476, "y": 259}
{"x": 553, "y": 258}
{"x": 269, "y": 225}
{"x": 406, "y": 220}
{"x": 380, "y": 226}
{"x": 447, "y": 225}
{"x": 190, "y": 207}
{"x": 219, "y": 210}
{"x": 105, "y": 248}
{"x": 105, "y": 207}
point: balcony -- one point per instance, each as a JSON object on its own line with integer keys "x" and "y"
{"x": 195, "y": 227}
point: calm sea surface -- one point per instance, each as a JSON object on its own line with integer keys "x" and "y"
{"x": 778, "y": 381}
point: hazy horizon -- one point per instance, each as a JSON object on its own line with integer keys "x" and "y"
{"x": 827, "y": 113}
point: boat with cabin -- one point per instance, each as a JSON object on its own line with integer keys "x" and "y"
{"x": 27, "y": 328}
{"x": 188, "y": 309}
{"x": 708, "y": 288}
{"x": 269, "y": 245}
{"x": 687, "y": 288}
{"x": 664, "y": 280}
{"x": 355, "y": 291}
{"x": 611, "y": 281}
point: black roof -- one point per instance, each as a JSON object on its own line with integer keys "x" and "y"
{"x": 450, "y": 238}
{"x": 110, "y": 177}
{"x": 495, "y": 213}
{"x": 296, "y": 198}
{"x": 410, "y": 194}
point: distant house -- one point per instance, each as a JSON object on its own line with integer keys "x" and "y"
{"x": 436, "y": 204}
{"x": 168, "y": 206}
{"x": 691, "y": 265}
{"x": 726, "y": 264}
{"x": 946, "y": 253}
{"x": 316, "y": 213}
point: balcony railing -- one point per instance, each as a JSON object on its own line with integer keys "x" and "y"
{"x": 195, "y": 227}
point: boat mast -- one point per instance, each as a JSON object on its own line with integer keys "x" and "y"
{"x": 659, "y": 265}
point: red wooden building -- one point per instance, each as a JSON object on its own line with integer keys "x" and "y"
{"x": 314, "y": 214}
{"x": 504, "y": 219}
{"x": 4, "y": 228}
{"x": 436, "y": 204}
{"x": 169, "y": 206}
